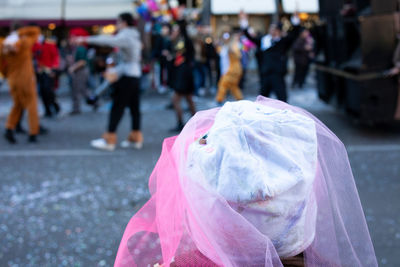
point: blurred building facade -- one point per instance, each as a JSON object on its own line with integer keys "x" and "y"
{"x": 54, "y": 16}
{"x": 224, "y": 13}
{"x": 219, "y": 14}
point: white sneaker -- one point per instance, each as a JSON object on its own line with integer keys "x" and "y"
{"x": 128, "y": 144}
{"x": 102, "y": 145}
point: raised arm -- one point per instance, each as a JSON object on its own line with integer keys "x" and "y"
{"x": 294, "y": 33}
{"x": 254, "y": 40}
{"x": 244, "y": 25}
{"x": 118, "y": 40}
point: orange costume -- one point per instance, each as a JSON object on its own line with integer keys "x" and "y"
{"x": 17, "y": 66}
{"x": 230, "y": 80}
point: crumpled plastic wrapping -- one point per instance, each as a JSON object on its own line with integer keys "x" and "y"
{"x": 263, "y": 161}
{"x": 311, "y": 205}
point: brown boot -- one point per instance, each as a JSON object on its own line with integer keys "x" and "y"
{"x": 111, "y": 138}
{"x": 135, "y": 140}
{"x": 107, "y": 142}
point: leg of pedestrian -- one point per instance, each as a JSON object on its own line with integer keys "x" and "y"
{"x": 33, "y": 119}
{"x": 236, "y": 92}
{"x": 222, "y": 90}
{"x": 192, "y": 107}
{"x": 265, "y": 85}
{"x": 44, "y": 88}
{"x": 135, "y": 138}
{"x": 279, "y": 86}
{"x": 176, "y": 100}
{"x": 12, "y": 120}
{"x": 109, "y": 139}
{"x": 75, "y": 95}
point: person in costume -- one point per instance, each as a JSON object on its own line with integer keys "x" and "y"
{"x": 17, "y": 67}
{"x": 232, "y": 72}
{"x": 250, "y": 184}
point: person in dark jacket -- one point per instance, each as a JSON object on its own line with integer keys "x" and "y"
{"x": 273, "y": 56}
{"x": 182, "y": 60}
{"x": 302, "y": 55}
{"x": 161, "y": 41}
{"x": 165, "y": 68}
{"x": 395, "y": 71}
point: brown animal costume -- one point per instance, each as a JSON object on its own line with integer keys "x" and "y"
{"x": 17, "y": 66}
{"x": 230, "y": 80}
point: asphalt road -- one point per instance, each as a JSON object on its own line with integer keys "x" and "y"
{"x": 64, "y": 204}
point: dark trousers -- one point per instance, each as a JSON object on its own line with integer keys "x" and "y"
{"x": 199, "y": 75}
{"x": 300, "y": 74}
{"x": 274, "y": 82}
{"x": 79, "y": 84}
{"x": 163, "y": 72}
{"x": 46, "y": 85}
{"x": 126, "y": 94}
{"x": 242, "y": 79}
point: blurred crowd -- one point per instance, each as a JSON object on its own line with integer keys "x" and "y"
{"x": 182, "y": 58}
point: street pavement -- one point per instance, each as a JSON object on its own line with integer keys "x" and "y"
{"x": 65, "y": 204}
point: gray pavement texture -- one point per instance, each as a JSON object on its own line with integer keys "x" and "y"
{"x": 65, "y": 204}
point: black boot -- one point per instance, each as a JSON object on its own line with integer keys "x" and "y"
{"x": 9, "y": 136}
{"x": 92, "y": 100}
{"x": 19, "y": 129}
{"x": 169, "y": 106}
{"x": 42, "y": 130}
{"x": 48, "y": 115}
{"x": 56, "y": 107}
{"x": 32, "y": 139}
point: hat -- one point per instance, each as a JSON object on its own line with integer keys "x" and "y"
{"x": 78, "y": 32}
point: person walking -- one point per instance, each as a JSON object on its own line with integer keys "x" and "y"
{"x": 127, "y": 85}
{"x": 231, "y": 78}
{"x": 165, "y": 47}
{"x": 274, "y": 47}
{"x": 302, "y": 55}
{"x": 17, "y": 66}
{"x": 182, "y": 61}
{"x": 199, "y": 71}
{"x": 395, "y": 71}
{"x": 79, "y": 71}
{"x": 48, "y": 61}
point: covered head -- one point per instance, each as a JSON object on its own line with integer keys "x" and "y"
{"x": 267, "y": 182}
{"x": 262, "y": 160}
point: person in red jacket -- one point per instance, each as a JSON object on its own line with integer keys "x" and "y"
{"x": 47, "y": 60}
